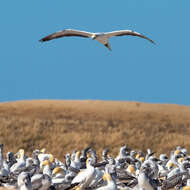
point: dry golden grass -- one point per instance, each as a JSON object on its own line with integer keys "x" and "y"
{"x": 62, "y": 126}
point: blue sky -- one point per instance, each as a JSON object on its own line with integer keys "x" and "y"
{"x": 79, "y": 68}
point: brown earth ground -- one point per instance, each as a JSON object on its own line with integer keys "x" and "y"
{"x": 62, "y": 126}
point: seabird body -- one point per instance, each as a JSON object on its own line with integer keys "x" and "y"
{"x": 20, "y": 164}
{"x": 58, "y": 175}
{"x": 111, "y": 184}
{"x": 46, "y": 167}
{"x": 24, "y": 181}
{"x": 100, "y": 37}
{"x": 41, "y": 181}
{"x": 76, "y": 162}
{"x": 85, "y": 177}
{"x": 145, "y": 182}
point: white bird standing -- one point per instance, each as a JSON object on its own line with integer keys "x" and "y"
{"x": 100, "y": 37}
{"x": 20, "y": 164}
{"x": 85, "y": 177}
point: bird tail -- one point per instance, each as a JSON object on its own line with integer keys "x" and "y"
{"x": 108, "y": 46}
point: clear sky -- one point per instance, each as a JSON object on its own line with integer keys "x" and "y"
{"x": 79, "y": 68}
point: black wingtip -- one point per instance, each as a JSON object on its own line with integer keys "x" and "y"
{"x": 47, "y": 38}
{"x": 153, "y": 42}
{"x": 41, "y": 40}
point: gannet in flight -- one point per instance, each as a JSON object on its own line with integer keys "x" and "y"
{"x": 100, "y": 37}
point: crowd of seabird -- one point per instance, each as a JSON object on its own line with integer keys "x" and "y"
{"x": 81, "y": 170}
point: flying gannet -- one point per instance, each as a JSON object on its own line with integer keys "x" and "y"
{"x": 100, "y": 37}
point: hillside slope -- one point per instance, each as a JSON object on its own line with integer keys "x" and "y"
{"x": 62, "y": 126}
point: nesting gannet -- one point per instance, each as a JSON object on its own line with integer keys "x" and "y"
{"x": 174, "y": 181}
{"x": 58, "y": 178}
{"x": 24, "y": 181}
{"x": 111, "y": 184}
{"x": 75, "y": 163}
{"x": 146, "y": 182}
{"x": 133, "y": 154}
{"x": 41, "y": 181}
{"x": 182, "y": 167}
{"x": 93, "y": 155}
{"x": 42, "y": 155}
{"x": 121, "y": 157}
{"x": 46, "y": 167}
{"x": 152, "y": 166}
{"x": 36, "y": 161}
{"x": 105, "y": 154}
{"x": 10, "y": 159}
{"x": 67, "y": 160}
{"x": 20, "y": 164}
{"x": 83, "y": 157}
{"x": 58, "y": 175}
{"x": 100, "y": 37}
{"x": 85, "y": 177}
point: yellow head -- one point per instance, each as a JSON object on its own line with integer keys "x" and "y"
{"x": 21, "y": 153}
{"x": 46, "y": 162}
{"x": 43, "y": 150}
{"x": 177, "y": 152}
{"x": 180, "y": 160}
{"x": 141, "y": 159}
{"x": 137, "y": 156}
{"x": 51, "y": 158}
{"x": 77, "y": 154}
{"x": 88, "y": 155}
{"x": 57, "y": 170}
{"x": 171, "y": 165}
{"x": 107, "y": 177}
{"x": 131, "y": 169}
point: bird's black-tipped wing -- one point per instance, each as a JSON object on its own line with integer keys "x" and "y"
{"x": 67, "y": 33}
{"x": 126, "y": 32}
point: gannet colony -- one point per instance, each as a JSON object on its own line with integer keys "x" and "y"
{"x": 82, "y": 169}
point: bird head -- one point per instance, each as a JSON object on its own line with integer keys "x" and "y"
{"x": 43, "y": 150}
{"x": 51, "y": 158}
{"x": 94, "y": 36}
{"x": 57, "y": 170}
{"x": 131, "y": 169}
{"x": 107, "y": 177}
{"x": 45, "y": 163}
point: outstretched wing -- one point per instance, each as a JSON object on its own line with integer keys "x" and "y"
{"x": 68, "y": 33}
{"x": 126, "y": 32}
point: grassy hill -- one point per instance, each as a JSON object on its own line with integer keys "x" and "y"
{"x": 62, "y": 126}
